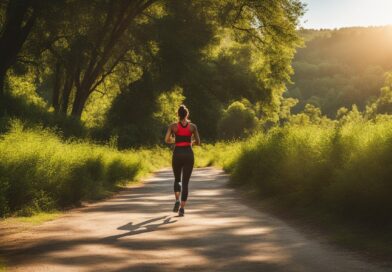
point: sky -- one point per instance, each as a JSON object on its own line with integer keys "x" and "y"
{"x": 346, "y": 13}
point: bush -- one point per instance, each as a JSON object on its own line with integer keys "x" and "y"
{"x": 238, "y": 121}
{"x": 344, "y": 169}
{"x": 220, "y": 154}
{"x": 41, "y": 172}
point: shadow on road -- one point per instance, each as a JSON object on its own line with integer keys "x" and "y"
{"x": 142, "y": 227}
{"x": 136, "y": 231}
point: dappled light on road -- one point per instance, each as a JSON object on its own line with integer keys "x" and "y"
{"x": 137, "y": 231}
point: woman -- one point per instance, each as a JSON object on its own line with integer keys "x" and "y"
{"x": 182, "y": 161}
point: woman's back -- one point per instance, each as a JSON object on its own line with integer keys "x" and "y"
{"x": 183, "y": 157}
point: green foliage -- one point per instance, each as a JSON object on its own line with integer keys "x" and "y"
{"x": 312, "y": 115}
{"x": 168, "y": 104}
{"x": 39, "y": 172}
{"x": 23, "y": 86}
{"x": 201, "y": 48}
{"x": 339, "y": 68}
{"x": 99, "y": 104}
{"x": 32, "y": 113}
{"x": 220, "y": 154}
{"x": 89, "y": 45}
{"x": 346, "y": 116}
{"x": 141, "y": 116}
{"x": 285, "y": 108}
{"x": 341, "y": 170}
{"x": 38, "y": 217}
{"x": 2, "y": 265}
{"x": 383, "y": 103}
{"x": 111, "y": 66}
{"x": 238, "y": 120}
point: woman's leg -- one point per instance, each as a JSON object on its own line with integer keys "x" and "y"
{"x": 177, "y": 166}
{"x": 186, "y": 174}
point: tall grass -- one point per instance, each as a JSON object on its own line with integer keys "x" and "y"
{"x": 2, "y": 265}
{"x": 220, "y": 154}
{"x": 40, "y": 172}
{"x": 345, "y": 170}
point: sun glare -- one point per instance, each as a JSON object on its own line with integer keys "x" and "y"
{"x": 347, "y": 13}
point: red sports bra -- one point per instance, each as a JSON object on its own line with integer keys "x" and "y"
{"x": 183, "y": 135}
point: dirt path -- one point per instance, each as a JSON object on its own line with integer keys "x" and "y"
{"x": 136, "y": 231}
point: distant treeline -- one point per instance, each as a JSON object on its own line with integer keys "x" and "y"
{"x": 339, "y": 68}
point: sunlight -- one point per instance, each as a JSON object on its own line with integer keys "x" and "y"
{"x": 337, "y": 14}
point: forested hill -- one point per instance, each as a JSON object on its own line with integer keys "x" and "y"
{"x": 338, "y": 68}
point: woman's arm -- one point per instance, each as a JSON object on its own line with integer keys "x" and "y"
{"x": 168, "y": 137}
{"x": 196, "y": 134}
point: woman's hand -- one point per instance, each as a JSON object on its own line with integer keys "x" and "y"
{"x": 196, "y": 137}
{"x": 171, "y": 140}
{"x": 195, "y": 143}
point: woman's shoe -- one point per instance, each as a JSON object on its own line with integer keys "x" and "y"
{"x": 181, "y": 212}
{"x": 176, "y": 206}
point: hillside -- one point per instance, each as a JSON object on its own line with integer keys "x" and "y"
{"x": 338, "y": 68}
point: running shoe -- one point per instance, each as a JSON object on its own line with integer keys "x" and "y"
{"x": 176, "y": 206}
{"x": 181, "y": 212}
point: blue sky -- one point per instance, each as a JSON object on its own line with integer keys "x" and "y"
{"x": 345, "y": 13}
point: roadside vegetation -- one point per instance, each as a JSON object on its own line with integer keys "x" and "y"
{"x": 42, "y": 172}
{"x": 2, "y": 266}
{"x": 341, "y": 169}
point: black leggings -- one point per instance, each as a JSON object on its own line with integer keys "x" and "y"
{"x": 182, "y": 162}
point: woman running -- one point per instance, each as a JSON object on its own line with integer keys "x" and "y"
{"x": 182, "y": 161}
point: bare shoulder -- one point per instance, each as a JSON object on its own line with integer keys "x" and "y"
{"x": 193, "y": 126}
{"x": 173, "y": 126}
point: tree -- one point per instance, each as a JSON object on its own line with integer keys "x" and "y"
{"x": 339, "y": 68}
{"x": 86, "y": 44}
{"x": 285, "y": 108}
{"x": 109, "y": 48}
{"x": 217, "y": 52}
{"x": 222, "y": 51}
{"x": 19, "y": 18}
{"x": 238, "y": 120}
{"x": 383, "y": 103}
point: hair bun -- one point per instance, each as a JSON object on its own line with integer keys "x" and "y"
{"x": 183, "y": 112}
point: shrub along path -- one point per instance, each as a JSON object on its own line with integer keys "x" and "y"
{"x": 136, "y": 231}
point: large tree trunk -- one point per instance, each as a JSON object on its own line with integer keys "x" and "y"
{"x": 102, "y": 64}
{"x": 79, "y": 103}
{"x": 69, "y": 82}
{"x": 16, "y": 28}
{"x": 2, "y": 80}
{"x": 2, "y": 102}
{"x": 56, "y": 88}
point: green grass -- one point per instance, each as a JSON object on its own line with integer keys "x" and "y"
{"x": 21, "y": 223}
{"x": 337, "y": 177}
{"x": 2, "y": 265}
{"x": 344, "y": 169}
{"x": 39, "y": 218}
{"x": 41, "y": 172}
{"x": 220, "y": 154}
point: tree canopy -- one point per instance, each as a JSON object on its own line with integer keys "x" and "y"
{"x": 109, "y": 62}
